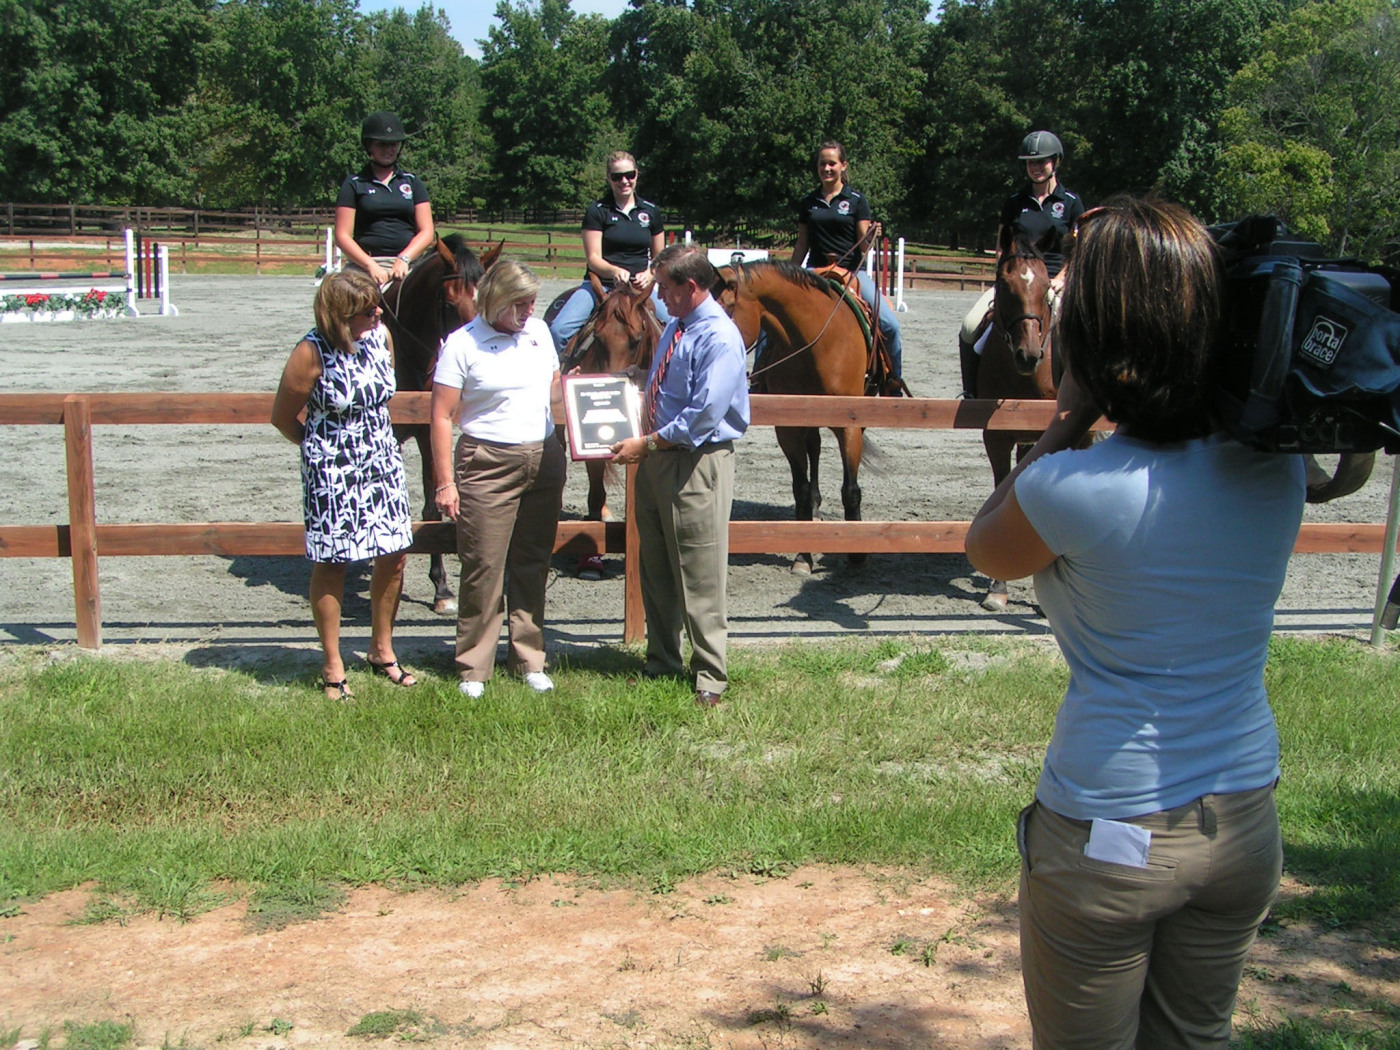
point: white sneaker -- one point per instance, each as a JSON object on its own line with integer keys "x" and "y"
{"x": 472, "y": 689}
{"x": 539, "y": 681}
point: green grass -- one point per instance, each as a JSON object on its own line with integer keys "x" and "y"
{"x": 167, "y": 784}
{"x": 1309, "y": 1034}
{"x": 100, "y": 1035}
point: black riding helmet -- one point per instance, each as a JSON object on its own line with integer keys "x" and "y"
{"x": 1041, "y": 145}
{"x": 381, "y": 126}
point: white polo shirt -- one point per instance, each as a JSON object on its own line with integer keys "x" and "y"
{"x": 505, "y": 381}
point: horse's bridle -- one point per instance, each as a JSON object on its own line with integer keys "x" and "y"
{"x": 740, "y": 270}
{"x": 1008, "y": 323}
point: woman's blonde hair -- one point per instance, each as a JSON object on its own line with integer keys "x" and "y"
{"x": 618, "y": 156}
{"x": 506, "y": 281}
{"x": 341, "y": 296}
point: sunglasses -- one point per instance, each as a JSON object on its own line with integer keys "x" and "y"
{"x": 618, "y": 176}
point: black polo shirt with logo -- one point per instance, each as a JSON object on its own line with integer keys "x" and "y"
{"x": 384, "y": 222}
{"x": 1062, "y": 207}
{"x": 626, "y": 235}
{"x": 832, "y": 226}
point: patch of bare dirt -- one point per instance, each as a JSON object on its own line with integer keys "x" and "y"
{"x": 823, "y": 957}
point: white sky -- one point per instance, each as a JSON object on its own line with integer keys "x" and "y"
{"x": 471, "y": 19}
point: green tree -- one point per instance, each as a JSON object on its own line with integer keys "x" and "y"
{"x": 1153, "y": 76}
{"x": 732, "y": 98}
{"x": 420, "y": 72}
{"x": 1313, "y": 130}
{"x": 282, "y": 94}
{"x": 541, "y": 71}
{"x": 93, "y": 96}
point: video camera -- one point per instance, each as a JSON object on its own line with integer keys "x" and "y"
{"x": 1312, "y": 359}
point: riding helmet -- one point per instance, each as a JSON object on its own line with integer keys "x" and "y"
{"x": 382, "y": 126}
{"x": 1041, "y": 145}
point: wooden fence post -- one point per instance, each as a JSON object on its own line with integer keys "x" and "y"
{"x": 82, "y": 520}
{"x": 633, "y": 621}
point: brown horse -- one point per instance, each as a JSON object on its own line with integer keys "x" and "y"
{"x": 619, "y": 337}
{"x": 1017, "y": 361}
{"x": 436, "y": 298}
{"x": 815, "y": 345}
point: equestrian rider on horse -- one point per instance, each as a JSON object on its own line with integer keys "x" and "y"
{"x": 383, "y": 218}
{"x": 622, "y": 233}
{"x": 1043, "y": 207}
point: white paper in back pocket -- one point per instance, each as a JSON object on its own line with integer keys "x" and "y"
{"x": 1118, "y": 843}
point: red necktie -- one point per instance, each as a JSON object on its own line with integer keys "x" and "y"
{"x": 654, "y": 387}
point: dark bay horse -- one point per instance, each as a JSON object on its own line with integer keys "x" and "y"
{"x": 1017, "y": 360}
{"x": 621, "y": 334}
{"x": 436, "y": 298}
{"x": 815, "y": 345}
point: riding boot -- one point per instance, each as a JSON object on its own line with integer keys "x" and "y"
{"x": 970, "y": 360}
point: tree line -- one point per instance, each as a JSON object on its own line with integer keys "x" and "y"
{"x": 1230, "y": 106}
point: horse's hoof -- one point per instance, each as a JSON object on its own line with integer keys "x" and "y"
{"x": 994, "y": 602}
{"x": 801, "y": 567}
{"x": 445, "y": 606}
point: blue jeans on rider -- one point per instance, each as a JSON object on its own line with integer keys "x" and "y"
{"x": 888, "y": 322}
{"x": 580, "y": 306}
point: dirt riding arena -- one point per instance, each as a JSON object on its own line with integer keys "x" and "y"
{"x": 808, "y": 960}
{"x": 234, "y": 333}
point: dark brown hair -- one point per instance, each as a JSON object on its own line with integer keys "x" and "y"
{"x": 1140, "y": 320}
{"x": 686, "y": 262}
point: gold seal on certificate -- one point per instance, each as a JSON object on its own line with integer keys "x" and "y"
{"x": 600, "y": 411}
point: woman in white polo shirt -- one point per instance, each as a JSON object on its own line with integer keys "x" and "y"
{"x": 498, "y": 378}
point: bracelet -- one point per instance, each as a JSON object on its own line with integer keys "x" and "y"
{"x": 442, "y": 488}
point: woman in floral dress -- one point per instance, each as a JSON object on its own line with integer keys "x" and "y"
{"x": 353, "y": 490}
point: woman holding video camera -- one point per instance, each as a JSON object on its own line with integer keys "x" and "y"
{"x": 1151, "y": 853}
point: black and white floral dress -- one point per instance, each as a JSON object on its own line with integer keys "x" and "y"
{"x": 353, "y": 491}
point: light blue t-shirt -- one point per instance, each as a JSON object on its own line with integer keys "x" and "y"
{"x": 1170, "y": 560}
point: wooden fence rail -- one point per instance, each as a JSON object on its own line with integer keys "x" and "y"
{"x": 83, "y": 539}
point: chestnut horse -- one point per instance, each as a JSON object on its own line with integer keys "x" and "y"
{"x": 1017, "y": 360}
{"x": 620, "y": 336}
{"x": 436, "y": 298}
{"x": 815, "y": 344}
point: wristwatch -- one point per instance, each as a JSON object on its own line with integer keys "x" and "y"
{"x": 652, "y": 446}
{"x": 406, "y": 260}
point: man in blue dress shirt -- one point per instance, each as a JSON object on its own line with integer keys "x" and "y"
{"x": 696, "y": 407}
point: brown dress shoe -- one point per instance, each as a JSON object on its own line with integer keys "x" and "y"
{"x": 705, "y": 698}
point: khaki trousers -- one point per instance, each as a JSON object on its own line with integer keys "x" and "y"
{"x": 1115, "y": 957}
{"x": 683, "y": 501}
{"x": 509, "y": 498}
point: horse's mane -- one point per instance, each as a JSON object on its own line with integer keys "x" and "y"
{"x": 468, "y": 265}
{"x": 1023, "y": 246}
{"x": 789, "y": 271}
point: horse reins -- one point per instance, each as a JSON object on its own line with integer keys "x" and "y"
{"x": 839, "y": 302}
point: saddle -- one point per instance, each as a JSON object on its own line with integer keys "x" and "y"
{"x": 878, "y": 381}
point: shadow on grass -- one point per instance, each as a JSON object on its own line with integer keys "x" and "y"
{"x": 1346, "y": 859}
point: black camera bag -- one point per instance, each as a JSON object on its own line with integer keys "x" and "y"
{"x": 1312, "y": 358}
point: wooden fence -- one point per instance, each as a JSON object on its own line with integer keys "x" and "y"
{"x": 84, "y": 540}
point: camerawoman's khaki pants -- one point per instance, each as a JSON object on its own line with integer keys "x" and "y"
{"x": 1114, "y": 956}
{"x": 509, "y": 499}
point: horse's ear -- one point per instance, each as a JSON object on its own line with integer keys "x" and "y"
{"x": 445, "y": 254}
{"x": 491, "y": 254}
{"x": 1004, "y": 238}
{"x": 597, "y": 284}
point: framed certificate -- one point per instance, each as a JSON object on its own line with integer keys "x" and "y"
{"x": 599, "y": 411}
